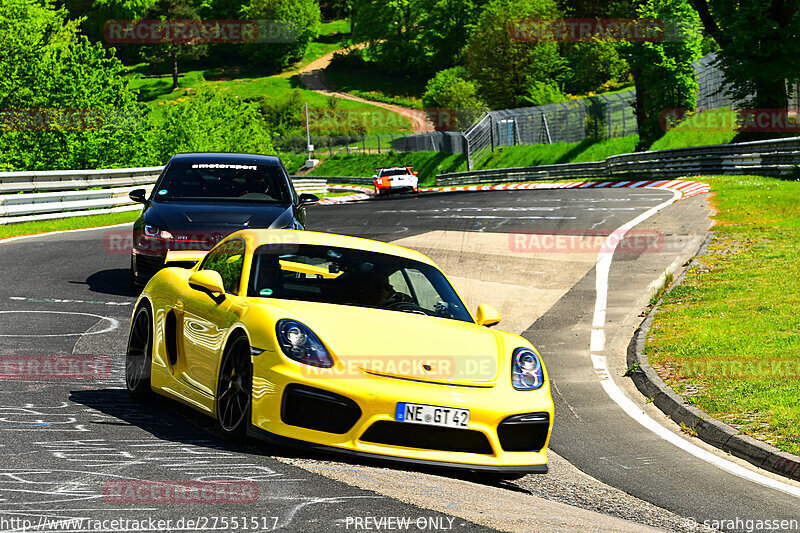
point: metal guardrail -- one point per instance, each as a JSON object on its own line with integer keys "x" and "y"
{"x": 45, "y": 195}
{"x": 354, "y": 180}
{"x": 772, "y": 157}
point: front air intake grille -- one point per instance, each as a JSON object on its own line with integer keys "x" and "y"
{"x": 148, "y": 265}
{"x": 427, "y": 437}
{"x": 311, "y": 408}
{"x": 524, "y": 433}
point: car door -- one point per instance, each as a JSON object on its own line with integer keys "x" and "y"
{"x": 207, "y": 319}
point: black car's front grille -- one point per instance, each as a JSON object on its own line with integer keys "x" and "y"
{"x": 148, "y": 265}
{"x": 524, "y": 433}
{"x": 427, "y": 437}
{"x": 312, "y": 408}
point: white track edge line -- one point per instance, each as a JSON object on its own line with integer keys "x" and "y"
{"x": 626, "y": 404}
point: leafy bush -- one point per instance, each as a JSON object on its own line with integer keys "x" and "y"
{"x": 211, "y": 122}
{"x": 593, "y": 64}
{"x": 543, "y": 93}
{"x": 451, "y": 90}
{"x": 73, "y": 107}
{"x": 283, "y": 113}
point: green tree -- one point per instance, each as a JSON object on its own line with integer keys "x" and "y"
{"x": 451, "y": 91}
{"x": 172, "y": 50}
{"x": 662, "y": 69}
{"x": 95, "y": 13}
{"x": 507, "y": 65}
{"x": 593, "y": 63}
{"x": 759, "y": 47}
{"x": 417, "y": 37}
{"x": 211, "y": 122}
{"x": 300, "y": 19}
{"x": 67, "y": 104}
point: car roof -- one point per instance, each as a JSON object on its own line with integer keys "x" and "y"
{"x": 258, "y": 237}
{"x": 395, "y": 168}
{"x": 213, "y": 157}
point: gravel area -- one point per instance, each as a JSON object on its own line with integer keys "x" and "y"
{"x": 566, "y": 484}
{"x": 521, "y": 505}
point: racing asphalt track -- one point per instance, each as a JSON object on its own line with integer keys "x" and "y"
{"x": 63, "y": 440}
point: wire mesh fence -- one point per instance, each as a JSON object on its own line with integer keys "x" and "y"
{"x": 598, "y": 117}
{"x": 451, "y": 142}
{"x": 712, "y": 90}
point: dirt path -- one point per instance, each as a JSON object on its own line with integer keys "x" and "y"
{"x": 313, "y": 77}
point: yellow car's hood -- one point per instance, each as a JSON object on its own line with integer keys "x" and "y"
{"x": 399, "y": 344}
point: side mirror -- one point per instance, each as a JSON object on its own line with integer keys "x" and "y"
{"x": 207, "y": 281}
{"x": 415, "y": 173}
{"x": 137, "y": 195}
{"x": 486, "y": 315}
{"x": 307, "y": 200}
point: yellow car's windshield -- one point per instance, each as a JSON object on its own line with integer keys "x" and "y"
{"x": 352, "y": 277}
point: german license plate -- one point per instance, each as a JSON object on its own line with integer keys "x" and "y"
{"x": 432, "y": 415}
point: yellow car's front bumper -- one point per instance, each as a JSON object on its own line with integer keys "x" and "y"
{"x": 280, "y": 391}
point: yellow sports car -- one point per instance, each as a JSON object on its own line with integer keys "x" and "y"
{"x": 342, "y": 344}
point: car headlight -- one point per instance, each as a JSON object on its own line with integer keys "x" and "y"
{"x": 152, "y": 231}
{"x": 300, "y": 344}
{"x": 526, "y": 370}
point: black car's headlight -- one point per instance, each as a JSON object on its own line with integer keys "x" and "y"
{"x": 153, "y": 231}
{"x": 301, "y": 344}
{"x": 526, "y": 369}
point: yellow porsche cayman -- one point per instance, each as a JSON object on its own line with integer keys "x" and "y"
{"x": 342, "y": 344}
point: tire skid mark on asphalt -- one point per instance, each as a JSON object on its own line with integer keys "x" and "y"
{"x": 66, "y": 301}
{"x": 113, "y": 324}
{"x": 597, "y": 347}
{"x": 85, "y": 465}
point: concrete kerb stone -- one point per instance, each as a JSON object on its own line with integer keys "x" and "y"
{"x": 708, "y": 429}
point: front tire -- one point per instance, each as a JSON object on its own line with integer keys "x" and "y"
{"x": 235, "y": 388}
{"x": 139, "y": 355}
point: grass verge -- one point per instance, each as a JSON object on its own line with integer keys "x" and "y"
{"x": 716, "y": 126}
{"x": 45, "y": 226}
{"x": 728, "y": 337}
{"x": 526, "y": 155}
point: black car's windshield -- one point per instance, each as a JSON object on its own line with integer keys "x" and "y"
{"x": 394, "y": 172}
{"x": 223, "y": 181}
{"x": 352, "y": 277}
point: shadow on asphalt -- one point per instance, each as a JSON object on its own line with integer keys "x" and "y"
{"x": 115, "y": 282}
{"x": 173, "y": 422}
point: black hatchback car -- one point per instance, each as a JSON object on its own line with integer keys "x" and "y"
{"x": 200, "y": 198}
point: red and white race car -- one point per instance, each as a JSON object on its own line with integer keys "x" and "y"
{"x": 395, "y": 179}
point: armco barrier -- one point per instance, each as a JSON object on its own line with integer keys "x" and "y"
{"x": 28, "y": 196}
{"x": 354, "y": 180}
{"x": 773, "y": 158}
